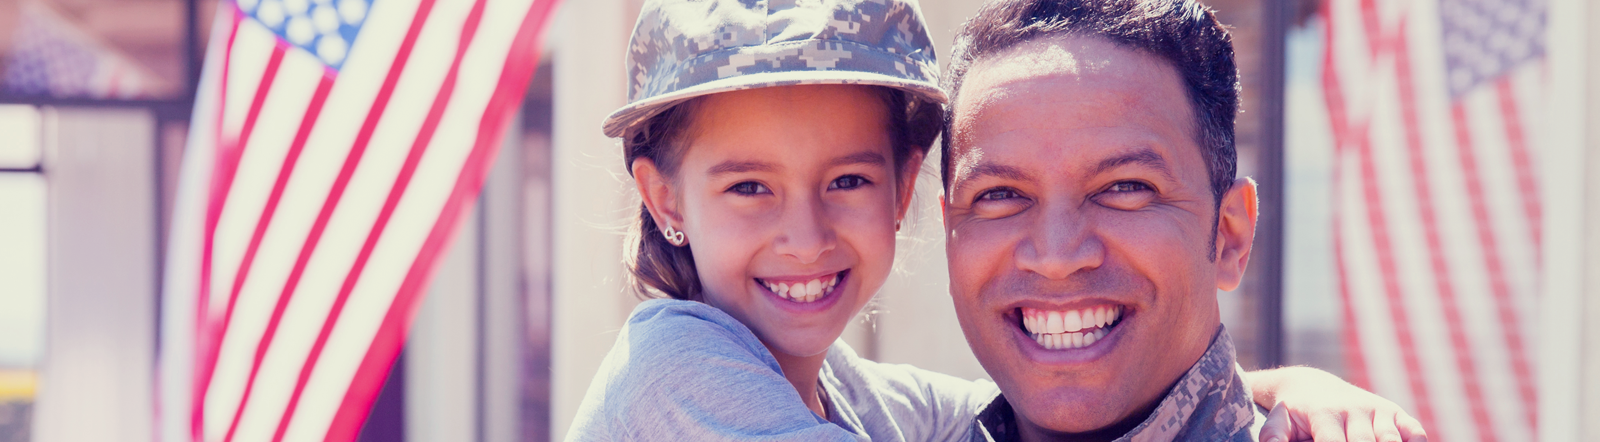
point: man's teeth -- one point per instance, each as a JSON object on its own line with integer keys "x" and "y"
{"x": 807, "y": 291}
{"x": 1059, "y": 330}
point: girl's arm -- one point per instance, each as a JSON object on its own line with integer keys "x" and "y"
{"x": 1310, "y": 404}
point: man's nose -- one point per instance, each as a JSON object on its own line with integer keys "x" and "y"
{"x": 1061, "y": 241}
{"x": 807, "y": 232}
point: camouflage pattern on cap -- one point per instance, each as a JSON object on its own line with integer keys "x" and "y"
{"x": 682, "y": 49}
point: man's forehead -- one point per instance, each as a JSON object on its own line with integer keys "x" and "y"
{"x": 1103, "y": 88}
{"x": 1065, "y": 57}
{"x": 1050, "y": 55}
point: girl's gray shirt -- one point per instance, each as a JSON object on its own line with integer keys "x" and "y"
{"x": 684, "y": 370}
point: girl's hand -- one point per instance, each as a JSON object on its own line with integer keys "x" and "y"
{"x": 1313, "y": 405}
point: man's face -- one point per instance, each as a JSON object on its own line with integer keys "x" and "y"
{"x": 1080, "y": 228}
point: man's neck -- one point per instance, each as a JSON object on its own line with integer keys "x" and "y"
{"x": 1029, "y": 432}
{"x": 802, "y": 372}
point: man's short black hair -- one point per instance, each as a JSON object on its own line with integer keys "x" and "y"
{"x": 1185, "y": 33}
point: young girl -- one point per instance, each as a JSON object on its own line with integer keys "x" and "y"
{"x": 775, "y": 147}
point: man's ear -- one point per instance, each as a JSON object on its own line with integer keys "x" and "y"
{"x": 908, "y": 185}
{"x": 656, "y": 191}
{"x": 1236, "y": 232}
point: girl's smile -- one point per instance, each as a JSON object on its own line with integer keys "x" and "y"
{"x": 805, "y": 295}
{"x": 802, "y": 290}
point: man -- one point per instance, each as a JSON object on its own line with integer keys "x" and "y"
{"x": 1092, "y": 212}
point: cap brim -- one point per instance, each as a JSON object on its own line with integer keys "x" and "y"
{"x": 618, "y": 122}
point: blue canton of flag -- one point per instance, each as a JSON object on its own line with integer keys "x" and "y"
{"x": 1486, "y": 39}
{"x": 325, "y": 28}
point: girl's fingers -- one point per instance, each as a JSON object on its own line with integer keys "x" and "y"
{"x": 1384, "y": 427}
{"x": 1278, "y": 426}
{"x": 1359, "y": 428}
{"x": 1410, "y": 429}
{"x": 1328, "y": 427}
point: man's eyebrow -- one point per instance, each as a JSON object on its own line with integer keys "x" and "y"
{"x": 1001, "y": 171}
{"x": 1144, "y": 156}
{"x": 867, "y": 158}
{"x": 727, "y": 167}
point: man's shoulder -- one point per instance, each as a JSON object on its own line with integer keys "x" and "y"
{"x": 1210, "y": 402}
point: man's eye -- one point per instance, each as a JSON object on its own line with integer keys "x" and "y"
{"x": 847, "y": 182}
{"x": 1129, "y": 186}
{"x": 749, "y": 188}
{"x": 1127, "y": 195}
{"x": 998, "y": 194}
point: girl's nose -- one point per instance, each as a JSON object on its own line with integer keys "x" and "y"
{"x": 807, "y": 232}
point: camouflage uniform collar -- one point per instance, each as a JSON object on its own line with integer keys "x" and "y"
{"x": 1209, "y": 403}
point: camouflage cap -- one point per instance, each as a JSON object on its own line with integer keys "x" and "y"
{"x": 683, "y": 49}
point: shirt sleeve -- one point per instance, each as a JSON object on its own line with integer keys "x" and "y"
{"x": 690, "y": 372}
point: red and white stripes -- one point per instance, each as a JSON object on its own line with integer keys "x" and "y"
{"x": 1436, "y": 224}
{"x": 330, "y": 198}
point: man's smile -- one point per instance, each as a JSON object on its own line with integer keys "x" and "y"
{"x": 1083, "y": 331}
{"x": 1069, "y": 329}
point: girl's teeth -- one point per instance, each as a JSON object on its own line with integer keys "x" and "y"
{"x": 808, "y": 291}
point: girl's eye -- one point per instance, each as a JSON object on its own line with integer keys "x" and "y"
{"x": 998, "y": 194}
{"x": 749, "y": 188}
{"x": 847, "y": 182}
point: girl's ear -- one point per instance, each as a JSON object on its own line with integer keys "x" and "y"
{"x": 907, "y": 185}
{"x": 655, "y": 189}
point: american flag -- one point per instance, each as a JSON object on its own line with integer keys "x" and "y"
{"x": 1437, "y": 220}
{"x": 51, "y": 56}
{"x": 335, "y": 145}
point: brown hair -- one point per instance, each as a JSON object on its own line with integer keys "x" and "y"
{"x": 660, "y": 269}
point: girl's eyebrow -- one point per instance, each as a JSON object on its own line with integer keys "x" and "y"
{"x": 867, "y": 158}
{"x": 734, "y": 166}
{"x": 731, "y": 166}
